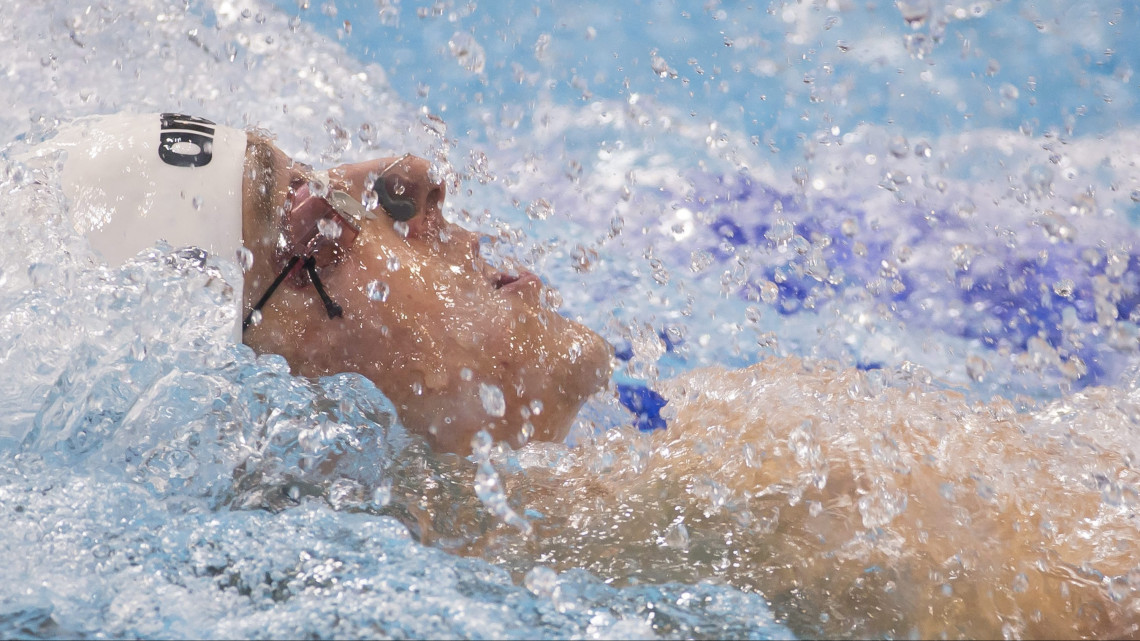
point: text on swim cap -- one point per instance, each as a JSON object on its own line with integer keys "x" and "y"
{"x": 185, "y": 141}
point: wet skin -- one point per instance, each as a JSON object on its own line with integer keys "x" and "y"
{"x": 451, "y": 327}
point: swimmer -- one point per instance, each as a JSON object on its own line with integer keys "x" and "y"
{"x": 353, "y": 269}
{"x": 953, "y": 519}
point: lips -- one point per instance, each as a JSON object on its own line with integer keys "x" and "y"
{"x": 516, "y": 282}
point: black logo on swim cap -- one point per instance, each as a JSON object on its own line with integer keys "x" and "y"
{"x": 186, "y": 141}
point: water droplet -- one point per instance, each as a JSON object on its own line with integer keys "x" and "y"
{"x": 849, "y": 227}
{"x": 898, "y": 146}
{"x": 393, "y": 264}
{"x": 1064, "y": 288}
{"x": 1039, "y": 180}
{"x": 541, "y": 581}
{"x": 976, "y": 368}
{"x": 963, "y": 255}
{"x": 40, "y": 274}
{"x": 769, "y": 292}
{"x": 493, "y": 401}
{"x": 1020, "y": 582}
{"x": 382, "y": 495}
{"x": 699, "y": 260}
{"x": 539, "y": 209}
{"x": 552, "y": 298}
{"x": 526, "y": 432}
{"x": 923, "y": 150}
{"x": 255, "y": 317}
{"x": 465, "y": 374}
{"x": 751, "y": 459}
{"x": 468, "y": 52}
{"x": 541, "y": 44}
{"x": 535, "y": 407}
{"x": 677, "y": 536}
{"x": 661, "y": 67}
{"x": 377, "y": 291}
{"x": 915, "y": 12}
{"x": 244, "y": 259}
{"x": 318, "y": 188}
{"x": 1009, "y": 92}
{"x": 1135, "y": 195}
{"x": 401, "y": 228}
{"x": 1057, "y": 227}
{"x": 583, "y": 258}
{"x": 780, "y": 233}
{"x": 196, "y": 202}
{"x": 329, "y": 228}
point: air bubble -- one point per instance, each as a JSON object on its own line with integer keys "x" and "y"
{"x": 377, "y": 291}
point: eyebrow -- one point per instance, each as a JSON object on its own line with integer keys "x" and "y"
{"x": 263, "y": 172}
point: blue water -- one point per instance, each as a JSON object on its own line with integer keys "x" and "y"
{"x": 705, "y": 183}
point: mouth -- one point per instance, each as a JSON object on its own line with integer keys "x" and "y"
{"x": 511, "y": 282}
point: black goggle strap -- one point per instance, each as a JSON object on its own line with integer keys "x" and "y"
{"x": 331, "y": 307}
{"x": 310, "y": 266}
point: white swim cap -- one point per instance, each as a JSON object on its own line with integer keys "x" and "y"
{"x": 132, "y": 180}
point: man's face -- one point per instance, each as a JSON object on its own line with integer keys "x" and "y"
{"x": 456, "y": 344}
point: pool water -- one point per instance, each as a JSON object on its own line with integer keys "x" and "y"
{"x": 940, "y": 195}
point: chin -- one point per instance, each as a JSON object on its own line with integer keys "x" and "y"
{"x": 555, "y": 387}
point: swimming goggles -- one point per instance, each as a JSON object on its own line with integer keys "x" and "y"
{"x": 325, "y": 229}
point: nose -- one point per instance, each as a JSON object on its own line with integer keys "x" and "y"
{"x": 407, "y": 191}
{"x": 464, "y": 241}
